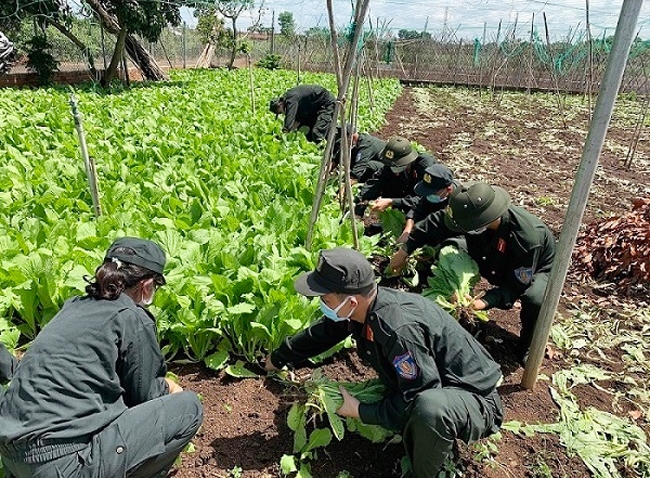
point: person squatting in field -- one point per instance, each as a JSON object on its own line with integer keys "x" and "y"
{"x": 432, "y": 195}
{"x": 8, "y": 364}
{"x": 90, "y": 397}
{"x": 441, "y": 381}
{"x": 310, "y": 106}
{"x": 393, "y": 185}
{"x": 514, "y": 250}
{"x": 365, "y": 154}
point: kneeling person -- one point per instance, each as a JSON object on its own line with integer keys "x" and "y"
{"x": 90, "y": 397}
{"x": 441, "y": 381}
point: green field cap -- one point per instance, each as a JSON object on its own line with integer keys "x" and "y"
{"x": 148, "y": 254}
{"x": 475, "y": 205}
{"x": 398, "y": 154}
{"x": 435, "y": 178}
{"x": 339, "y": 270}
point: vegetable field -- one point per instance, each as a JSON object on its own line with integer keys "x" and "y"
{"x": 188, "y": 164}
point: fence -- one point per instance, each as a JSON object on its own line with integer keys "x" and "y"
{"x": 500, "y": 59}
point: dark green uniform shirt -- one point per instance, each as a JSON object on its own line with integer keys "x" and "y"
{"x": 92, "y": 361}
{"x": 508, "y": 257}
{"x": 7, "y": 365}
{"x": 302, "y": 104}
{"x": 412, "y": 344}
{"x": 399, "y": 187}
{"x": 365, "y": 156}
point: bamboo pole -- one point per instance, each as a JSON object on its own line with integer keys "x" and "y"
{"x": 343, "y": 80}
{"x": 584, "y": 177}
{"x": 252, "y": 82}
{"x": 89, "y": 163}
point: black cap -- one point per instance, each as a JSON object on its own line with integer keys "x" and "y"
{"x": 148, "y": 254}
{"x": 435, "y": 178}
{"x": 341, "y": 271}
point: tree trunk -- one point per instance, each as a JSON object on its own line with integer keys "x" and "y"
{"x": 233, "y": 52}
{"x": 111, "y": 71}
{"x": 206, "y": 56}
{"x": 70, "y": 36}
{"x": 141, "y": 57}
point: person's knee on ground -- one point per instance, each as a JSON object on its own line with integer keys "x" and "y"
{"x": 531, "y": 304}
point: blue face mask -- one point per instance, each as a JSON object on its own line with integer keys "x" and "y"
{"x": 435, "y": 199}
{"x": 332, "y": 314}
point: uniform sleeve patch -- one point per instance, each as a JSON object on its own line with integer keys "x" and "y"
{"x": 405, "y": 366}
{"x": 524, "y": 275}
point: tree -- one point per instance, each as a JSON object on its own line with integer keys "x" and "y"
{"x": 212, "y": 32}
{"x": 232, "y": 9}
{"x": 287, "y": 25}
{"x": 142, "y": 17}
{"x": 405, "y": 34}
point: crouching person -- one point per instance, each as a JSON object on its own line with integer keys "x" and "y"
{"x": 90, "y": 397}
{"x": 441, "y": 381}
{"x": 8, "y": 364}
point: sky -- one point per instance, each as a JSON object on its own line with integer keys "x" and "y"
{"x": 464, "y": 17}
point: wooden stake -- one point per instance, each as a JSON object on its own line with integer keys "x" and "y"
{"x": 89, "y": 163}
{"x": 343, "y": 80}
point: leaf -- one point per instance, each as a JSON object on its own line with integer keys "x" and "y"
{"x": 321, "y": 437}
{"x": 239, "y": 371}
{"x": 288, "y": 464}
{"x": 217, "y": 360}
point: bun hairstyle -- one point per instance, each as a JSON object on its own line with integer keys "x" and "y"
{"x": 115, "y": 276}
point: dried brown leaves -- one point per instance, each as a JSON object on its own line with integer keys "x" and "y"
{"x": 617, "y": 249}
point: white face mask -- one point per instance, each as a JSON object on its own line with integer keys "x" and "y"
{"x": 149, "y": 300}
{"x": 476, "y": 232}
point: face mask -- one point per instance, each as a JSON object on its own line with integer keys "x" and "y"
{"x": 332, "y": 314}
{"x": 475, "y": 232}
{"x": 435, "y": 199}
{"x": 148, "y": 301}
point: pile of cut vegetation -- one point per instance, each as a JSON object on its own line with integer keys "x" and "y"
{"x": 617, "y": 250}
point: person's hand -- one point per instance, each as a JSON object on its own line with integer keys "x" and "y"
{"x": 381, "y": 204}
{"x": 173, "y": 386}
{"x": 479, "y": 304}
{"x": 268, "y": 365}
{"x": 350, "y": 407}
{"x": 398, "y": 262}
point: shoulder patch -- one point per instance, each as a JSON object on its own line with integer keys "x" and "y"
{"x": 405, "y": 366}
{"x": 524, "y": 275}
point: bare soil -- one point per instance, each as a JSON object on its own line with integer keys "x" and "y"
{"x": 245, "y": 431}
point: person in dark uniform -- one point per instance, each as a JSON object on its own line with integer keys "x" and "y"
{"x": 514, "y": 250}
{"x": 432, "y": 193}
{"x": 393, "y": 185}
{"x": 306, "y": 105}
{"x": 441, "y": 381}
{"x": 8, "y": 365}
{"x": 90, "y": 397}
{"x": 365, "y": 154}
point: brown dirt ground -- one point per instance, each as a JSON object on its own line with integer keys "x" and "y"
{"x": 245, "y": 431}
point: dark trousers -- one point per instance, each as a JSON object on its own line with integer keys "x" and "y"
{"x": 318, "y": 132}
{"x": 143, "y": 442}
{"x": 440, "y": 415}
{"x": 531, "y": 303}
